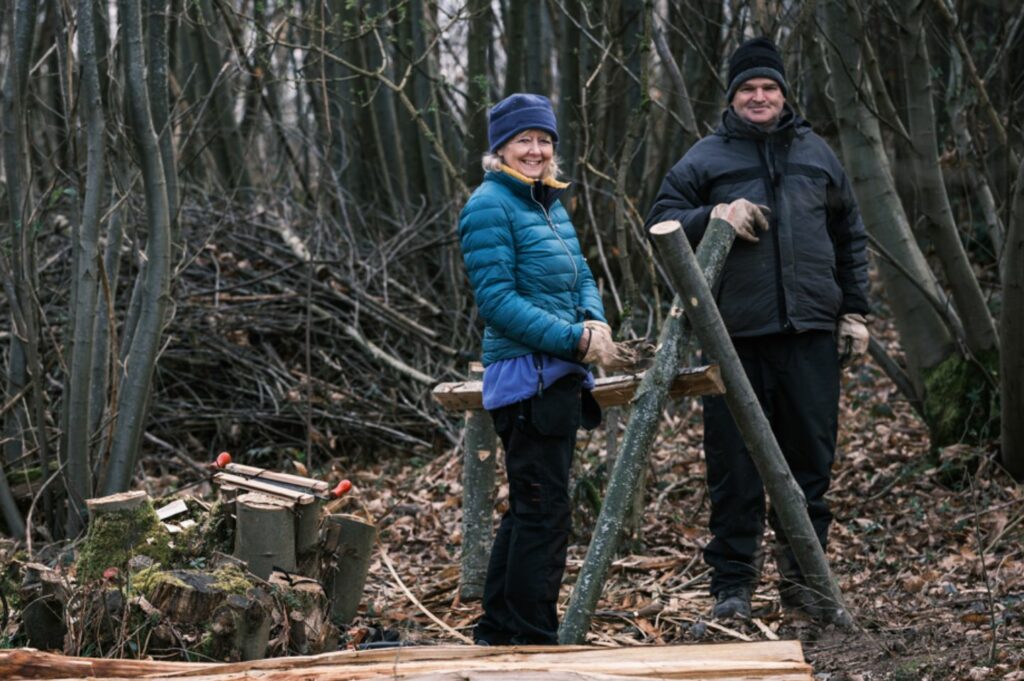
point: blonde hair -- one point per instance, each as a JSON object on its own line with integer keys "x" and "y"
{"x": 492, "y": 161}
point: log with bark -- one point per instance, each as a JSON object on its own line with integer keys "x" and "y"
{"x": 265, "y": 533}
{"x": 478, "y": 471}
{"x": 767, "y": 661}
{"x": 785, "y": 494}
{"x": 347, "y": 548}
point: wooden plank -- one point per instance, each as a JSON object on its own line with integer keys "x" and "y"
{"x": 764, "y": 660}
{"x": 608, "y": 391}
{"x": 266, "y": 487}
{"x": 297, "y": 480}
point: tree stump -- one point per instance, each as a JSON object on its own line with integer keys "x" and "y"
{"x": 348, "y": 546}
{"x": 121, "y": 526}
{"x": 241, "y": 626}
{"x": 44, "y": 595}
{"x": 265, "y": 533}
{"x": 307, "y": 527}
{"x": 310, "y": 630}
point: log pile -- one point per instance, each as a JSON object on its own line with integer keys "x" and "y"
{"x": 765, "y": 661}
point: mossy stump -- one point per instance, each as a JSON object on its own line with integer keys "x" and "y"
{"x": 121, "y": 526}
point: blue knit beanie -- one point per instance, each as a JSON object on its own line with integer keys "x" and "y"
{"x": 756, "y": 58}
{"x": 518, "y": 112}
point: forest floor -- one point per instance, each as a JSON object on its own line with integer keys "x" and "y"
{"x": 927, "y": 548}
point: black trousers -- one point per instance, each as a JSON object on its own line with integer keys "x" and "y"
{"x": 528, "y": 556}
{"x": 796, "y": 379}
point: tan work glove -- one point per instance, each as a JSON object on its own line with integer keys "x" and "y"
{"x": 853, "y": 336}
{"x": 601, "y": 349}
{"x": 743, "y": 216}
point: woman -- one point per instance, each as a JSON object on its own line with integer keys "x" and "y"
{"x": 544, "y": 324}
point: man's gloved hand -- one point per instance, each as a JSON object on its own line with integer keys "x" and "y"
{"x": 602, "y": 350}
{"x": 853, "y": 335}
{"x": 743, "y": 216}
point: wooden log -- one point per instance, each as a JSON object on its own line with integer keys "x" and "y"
{"x": 609, "y": 391}
{"x": 113, "y": 503}
{"x": 478, "y": 471}
{"x": 44, "y": 595}
{"x": 641, "y": 430}
{"x": 241, "y": 627}
{"x": 349, "y": 543}
{"x": 307, "y": 528}
{"x": 265, "y": 533}
{"x": 765, "y": 661}
{"x": 310, "y": 630}
{"x": 786, "y": 497}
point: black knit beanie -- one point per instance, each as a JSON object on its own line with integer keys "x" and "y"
{"x": 756, "y": 58}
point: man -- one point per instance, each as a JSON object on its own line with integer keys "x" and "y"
{"x": 793, "y": 295}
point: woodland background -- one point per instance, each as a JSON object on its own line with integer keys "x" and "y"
{"x": 231, "y": 224}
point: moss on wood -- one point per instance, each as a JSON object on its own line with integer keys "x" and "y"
{"x": 115, "y": 537}
{"x": 962, "y": 400}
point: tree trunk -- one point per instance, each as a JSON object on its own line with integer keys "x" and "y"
{"x": 924, "y": 337}
{"x": 145, "y": 342}
{"x": 787, "y": 499}
{"x": 934, "y": 202}
{"x": 478, "y": 86}
{"x": 645, "y": 416}
{"x": 1011, "y": 330}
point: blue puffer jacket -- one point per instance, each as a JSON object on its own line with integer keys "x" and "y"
{"x": 532, "y": 284}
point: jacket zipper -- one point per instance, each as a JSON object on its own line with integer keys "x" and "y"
{"x": 565, "y": 247}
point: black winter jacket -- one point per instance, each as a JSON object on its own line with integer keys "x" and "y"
{"x": 811, "y": 266}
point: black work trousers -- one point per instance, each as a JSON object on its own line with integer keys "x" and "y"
{"x": 796, "y": 379}
{"x": 528, "y": 556}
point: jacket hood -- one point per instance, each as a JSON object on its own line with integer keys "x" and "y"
{"x": 734, "y": 126}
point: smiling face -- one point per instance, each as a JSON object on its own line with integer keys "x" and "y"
{"x": 759, "y": 101}
{"x": 529, "y": 153}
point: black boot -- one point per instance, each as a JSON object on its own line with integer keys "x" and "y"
{"x": 732, "y": 602}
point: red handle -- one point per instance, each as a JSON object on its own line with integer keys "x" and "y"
{"x": 343, "y": 486}
{"x": 223, "y": 459}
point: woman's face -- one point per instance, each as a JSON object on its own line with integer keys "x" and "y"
{"x": 529, "y": 153}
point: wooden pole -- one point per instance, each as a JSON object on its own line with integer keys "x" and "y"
{"x": 350, "y": 539}
{"x": 648, "y": 404}
{"x": 785, "y": 494}
{"x": 265, "y": 533}
{"x": 478, "y": 464}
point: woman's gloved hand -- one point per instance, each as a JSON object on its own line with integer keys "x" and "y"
{"x": 597, "y": 347}
{"x": 743, "y": 216}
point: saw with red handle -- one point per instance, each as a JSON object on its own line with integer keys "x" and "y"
{"x": 301, "y": 489}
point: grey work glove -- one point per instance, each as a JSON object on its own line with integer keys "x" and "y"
{"x": 743, "y": 216}
{"x": 601, "y": 349}
{"x": 852, "y": 335}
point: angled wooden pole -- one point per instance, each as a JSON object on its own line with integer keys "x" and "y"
{"x": 648, "y": 403}
{"x": 785, "y": 494}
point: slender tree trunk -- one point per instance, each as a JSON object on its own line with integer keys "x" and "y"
{"x": 157, "y": 58}
{"x": 568, "y": 88}
{"x": 970, "y": 303}
{"x": 925, "y": 339}
{"x": 145, "y": 343}
{"x": 516, "y": 54}
{"x": 479, "y": 88}
{"x": 1011, "y": 330}
{"x": 79, "y": 469}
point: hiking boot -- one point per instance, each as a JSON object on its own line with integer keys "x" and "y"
{"x": 731, "y": 603}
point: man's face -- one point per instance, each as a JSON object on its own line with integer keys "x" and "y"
{"x": 759, "y": 101}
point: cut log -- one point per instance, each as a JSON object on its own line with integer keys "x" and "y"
{"x": 765, "y": 661}
{"x": 265, "y": 533}
{"x": 310, "y": 630}
{"x": 609, "y": 391}
{"x": 44, "y": 595}
{"x": 124, "y": 501}
{"x": 348, "y": 544}
{"x": 478, "y": 466}
{"x": 307, "y": 528}
{"x": 240, "y": 627}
